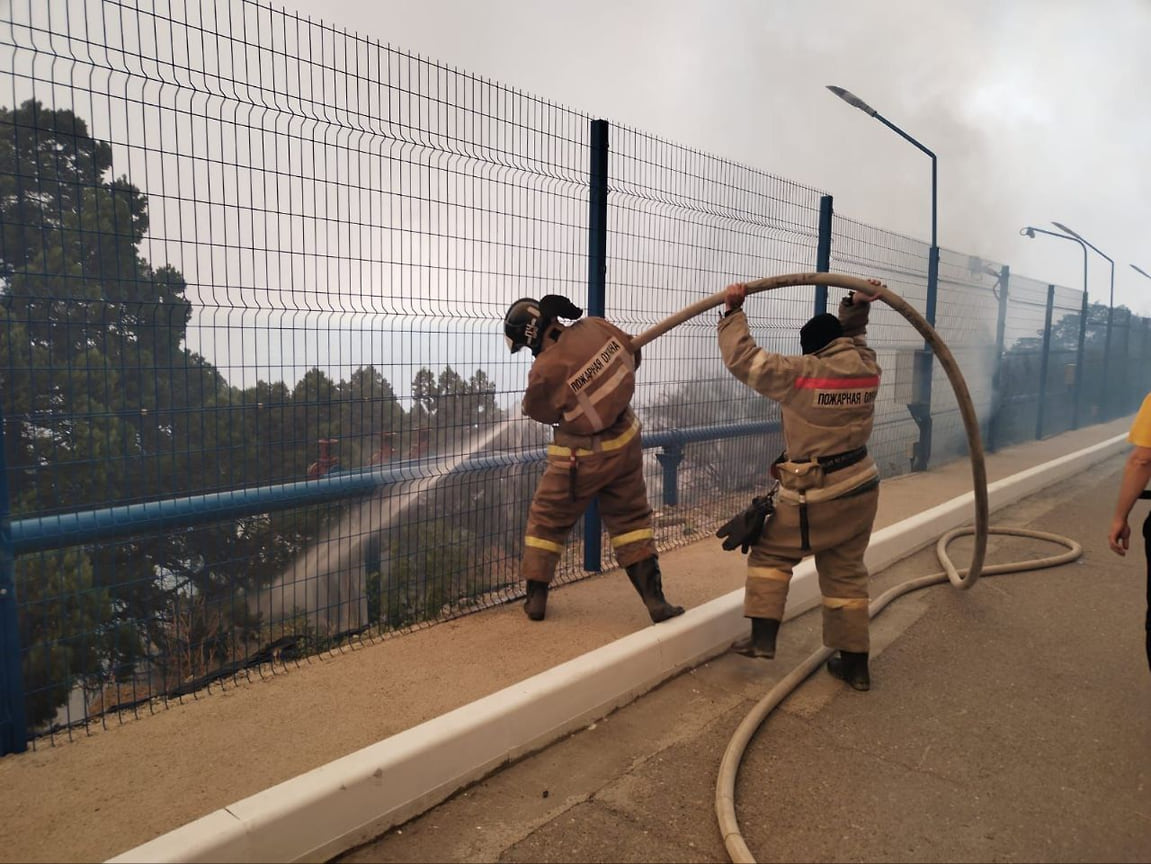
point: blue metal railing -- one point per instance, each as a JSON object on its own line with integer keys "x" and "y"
{"x": 108, "y": 523}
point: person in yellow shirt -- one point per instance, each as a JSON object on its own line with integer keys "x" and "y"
{"x": 1136, "y": 475}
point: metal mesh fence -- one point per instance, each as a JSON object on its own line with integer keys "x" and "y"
{"x": 900, "y": 262}
{"x": 1060, "y": 394}
{"x": 1022, "y": 360}
{"x": 682, "y": 225}
{"x": 1140, "y": 359}
{"x": 249, "y": 250}
{"x": 1095, "y": 383}
{"x": 256, "y": 401}
{"x": 1132, "y": 361}
{"x": 966, "y": 314}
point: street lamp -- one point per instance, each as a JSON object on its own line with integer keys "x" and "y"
{"x": 921, "y": 411}
{"x": 1031, "y": 231}
{"x": 1138, "y": 269}
{"x": 1110, "y": 313}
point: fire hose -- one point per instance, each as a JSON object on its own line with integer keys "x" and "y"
{"x": 737, "y": 848}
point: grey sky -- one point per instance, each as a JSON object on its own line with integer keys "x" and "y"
{"x": 1035, "y": 108}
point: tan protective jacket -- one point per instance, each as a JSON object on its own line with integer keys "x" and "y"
{"x": 827, "y": 399}
{"x": 583, "y": 380}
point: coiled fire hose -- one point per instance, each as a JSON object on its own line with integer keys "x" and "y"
{"x": 733, "y": 840}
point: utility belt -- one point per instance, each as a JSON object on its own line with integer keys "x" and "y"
{"x": 842, "y": 460}
{"x": 800, "y": 475}
{"x": 806, "y": 482}
{"x": 571, "y": 447}
{"x": 567, "y": 444}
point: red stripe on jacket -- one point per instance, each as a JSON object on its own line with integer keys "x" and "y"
{"x": 836, "y": 383}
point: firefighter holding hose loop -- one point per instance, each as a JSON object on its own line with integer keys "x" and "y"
{"x": 581, "y": 383}
{"x": 829, "y": 485}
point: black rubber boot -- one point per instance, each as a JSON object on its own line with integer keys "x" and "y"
{"x": 537, "y": 603}
{"x": 645, "y": 576}
{"x": 1147, "y": 552}
{"x": 761, "y": 642}
{"x": 851, "y": 666}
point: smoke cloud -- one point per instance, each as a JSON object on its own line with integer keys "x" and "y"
{"x": 1034, "y": 108}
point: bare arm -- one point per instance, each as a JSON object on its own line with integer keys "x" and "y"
{"x": 1136, "y": 475}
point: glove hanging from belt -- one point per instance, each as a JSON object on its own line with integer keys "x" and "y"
{"x": 745, "y": 529}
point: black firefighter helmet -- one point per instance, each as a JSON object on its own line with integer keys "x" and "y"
{"x": 527, "y": 320}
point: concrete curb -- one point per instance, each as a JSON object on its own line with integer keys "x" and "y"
{"x": 351, "y": 800}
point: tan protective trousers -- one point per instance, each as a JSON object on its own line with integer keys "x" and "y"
{"x": 838, "y": 533}
{"x": 615, "y": 474}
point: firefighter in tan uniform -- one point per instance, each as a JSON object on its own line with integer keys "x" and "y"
{"x": 581, "y": 383}
{"x": 829, "y": 485}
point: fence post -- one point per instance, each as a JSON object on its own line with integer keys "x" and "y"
{"x": 1125, "y": 397}
{"x": 1106, "y": 399}
{"x": 13, "y": 720}
{"x": 596, "y": 297}
{"x": 1079, "y": 364}
{"x": 997, "y": 376}
{"x": 669, "y": 458}
{"x": 823, "y": 252}
{"x": 1043, "y": 362}
{"x": 921, "y": 411}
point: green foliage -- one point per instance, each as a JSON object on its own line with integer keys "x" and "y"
{"x": 105, "y": 405}
{"x": 429, "y": 567}
{"x": 64, "y": 627}
{"x": 452, "y": 402}
{"x": 1065, "y": 331}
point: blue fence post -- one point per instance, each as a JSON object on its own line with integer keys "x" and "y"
{"x": 1106, "y": 402}
{"x": 596, "y": 297}
{"x": 670, "y": 457}
{"x": 1125, "y": 398}
{"x": 997, "y": 400}
{"x": 921, "y": 411}
{"x": 13, "y": 720}
{"x": 1044, "y": 360}
{"x": 823, "y": 252}
{"x": 1079, "y": 364}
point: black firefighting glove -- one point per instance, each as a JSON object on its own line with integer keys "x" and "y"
{"x": 745, "y": 529}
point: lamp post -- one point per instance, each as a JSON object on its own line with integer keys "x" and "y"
{"x": 1031, "y": 231}
{"x": 921, "y": 409}
{"x": 1110, "y": 315}
{"x": 1138, "y": 269}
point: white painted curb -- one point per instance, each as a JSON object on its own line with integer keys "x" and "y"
{"x": 351, "y": 800}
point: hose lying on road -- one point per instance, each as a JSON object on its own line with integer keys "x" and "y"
{"x": 737, "y": 849}
{"x": 729, "y": 767}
